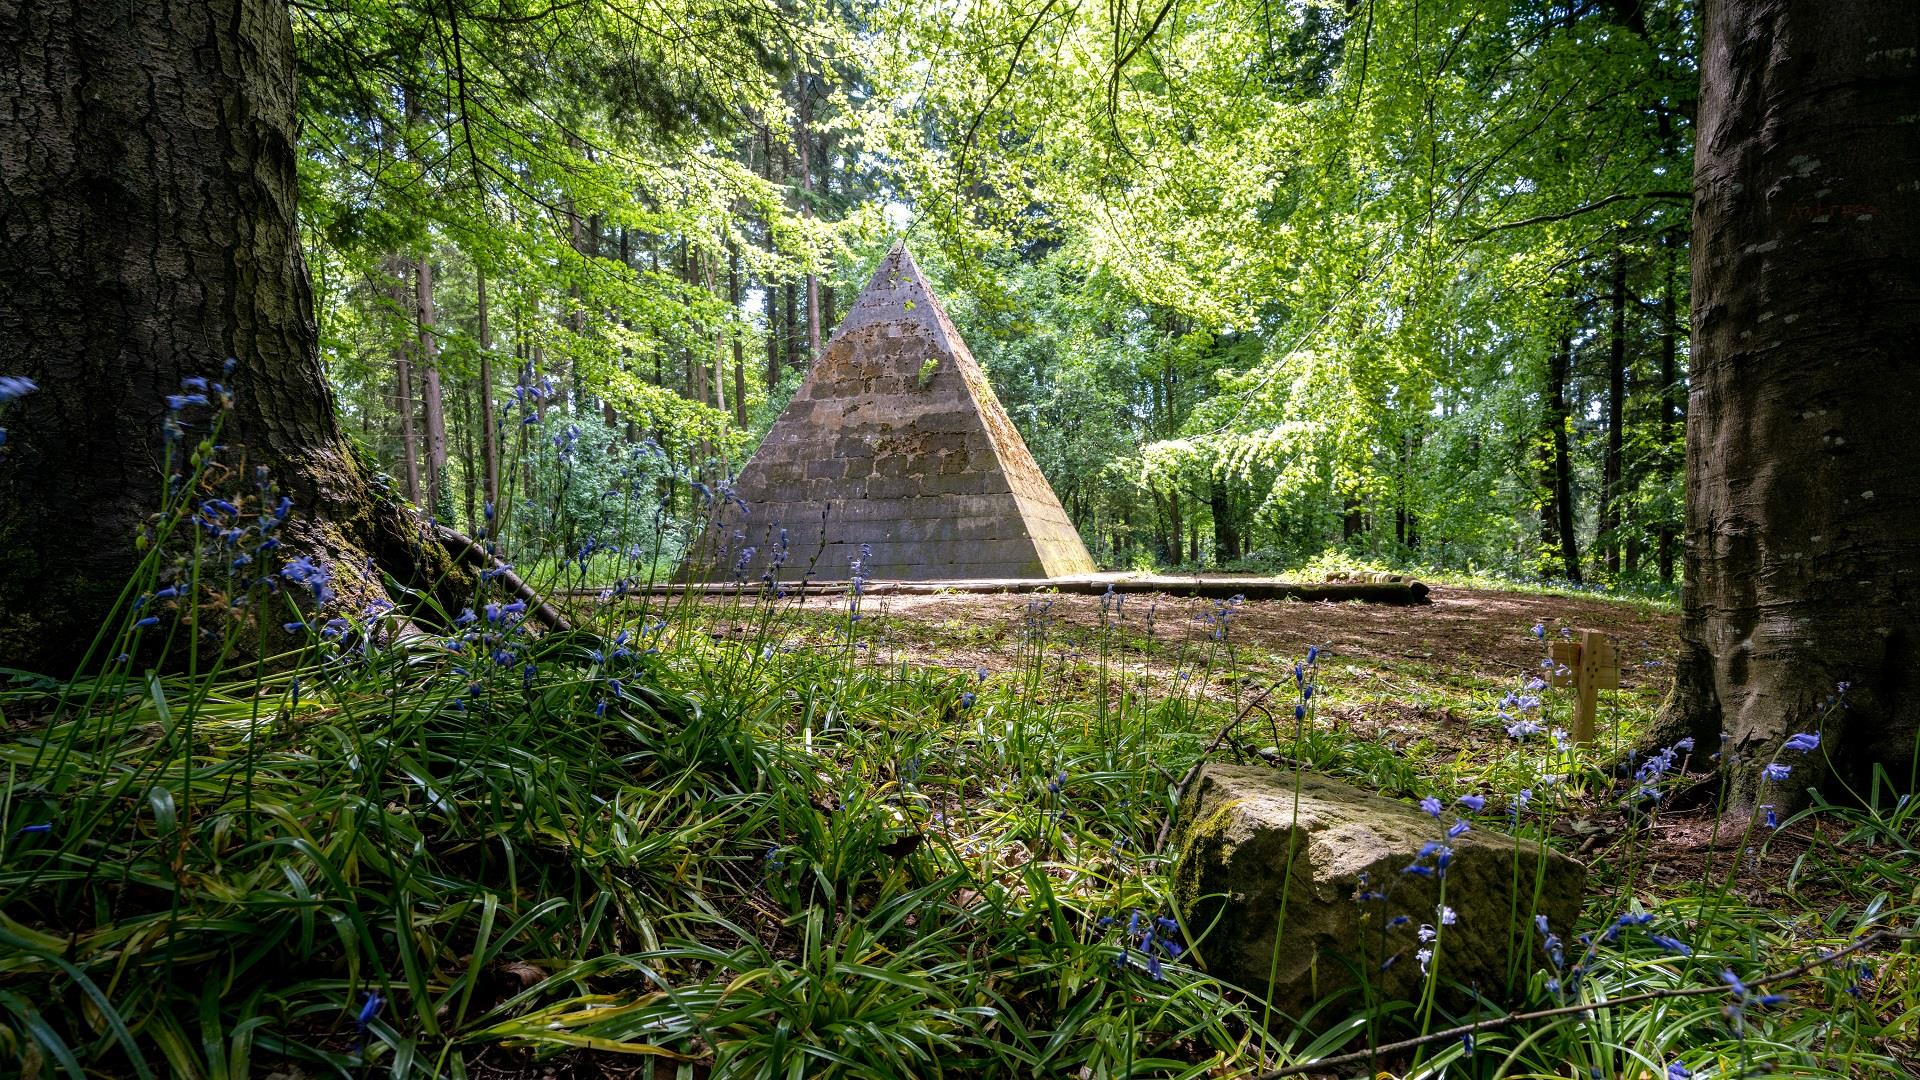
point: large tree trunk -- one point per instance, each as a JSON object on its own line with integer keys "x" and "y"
{"x": 1803, "y": 511}
{"x": 147, "y": 171}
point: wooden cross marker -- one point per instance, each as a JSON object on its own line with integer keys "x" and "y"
{"x": 1589, "y": 666}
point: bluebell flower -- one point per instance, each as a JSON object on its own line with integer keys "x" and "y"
{"x": 1313, "y": 654}
{"x": 1776, "y": 771}
{"x": 1804, "y": 742}
{"x": 967, "y": 699}
{"x": 1672, "y": 945}
{"x": 1540, "y": 631}
{"x": 1455, "y": 830}
{"x": 1677, "y": 1071}
{"x": 302, "y": 570}
{"x": 16, "y": 386}
{"x": 1432, "y": 806}
{"x": 1473, "y": 803}
{"x": 1299, "y": 712}
{"x": 147, "y": 623}
{"x": 369, "y": 1009}
{"x": 42, "y": 827}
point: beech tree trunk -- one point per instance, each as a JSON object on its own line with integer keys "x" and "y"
{"x": 1802, "y": 551}
{"x": 147, "y": 176}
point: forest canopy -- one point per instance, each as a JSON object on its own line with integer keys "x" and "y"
{"x": 1401, "y": 282}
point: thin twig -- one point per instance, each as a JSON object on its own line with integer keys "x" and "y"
{"x": 1510, "y": 1019}
{"x": 1180, "y": 789}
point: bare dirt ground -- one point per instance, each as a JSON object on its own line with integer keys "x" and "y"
{"x": 1479, "y": 632}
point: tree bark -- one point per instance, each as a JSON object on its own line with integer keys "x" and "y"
{"x": 1803, "y": 513}
{"x": 1226, "y": 537}
{"x": 1613, "y": 465}
{"x": 1558, "y": 369}
{"x": 433, "y": 409}
{"x": 739, "y": 346}
{"x": 489, "y": 429}
{"x": 805, "y": 138}
{"x": 403, "y": 391}
{"x": 1669, "y": 410}
{"x": 147, "y": 171}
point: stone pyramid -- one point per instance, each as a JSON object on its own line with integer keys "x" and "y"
{"x": 895, "y": 440}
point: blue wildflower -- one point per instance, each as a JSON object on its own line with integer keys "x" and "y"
{"x": 1473, "y": 803}
{"x": 147, "y": 623}
{"x": 1672, "y": 945}
{"x": 1776, "y": 771}
{"x": 1432, "y": 806}
{"x": 16, "y": 386}
{"x": 1803, "y": 743}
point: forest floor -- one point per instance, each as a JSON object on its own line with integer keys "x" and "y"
{"x": 1431, "y": 673}
{"x": 1424, "y": 680}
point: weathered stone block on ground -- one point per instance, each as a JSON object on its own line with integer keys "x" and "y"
{"x": 1334, "y": 917}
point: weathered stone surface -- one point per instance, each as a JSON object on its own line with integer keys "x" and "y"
{"x": 896, "y": 440}
{"x": 1235, "y": 827}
